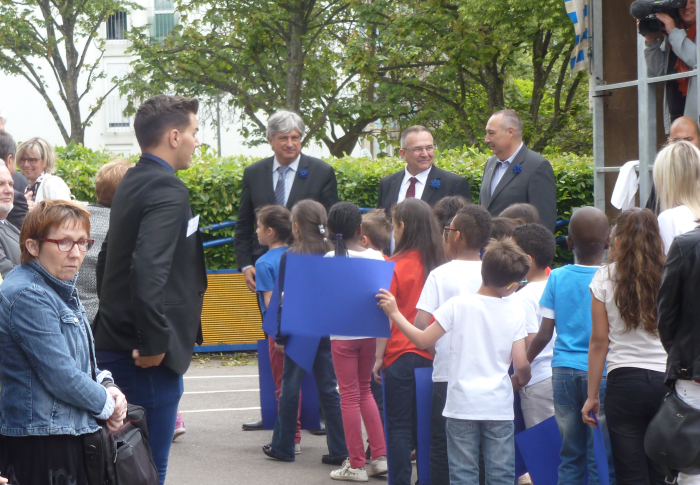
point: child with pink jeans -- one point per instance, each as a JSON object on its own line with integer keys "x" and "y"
{"x": 353, "y": 359}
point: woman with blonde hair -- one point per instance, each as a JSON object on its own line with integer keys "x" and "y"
{"x": 677, "y": 181}
{"x": 36, "y": 159}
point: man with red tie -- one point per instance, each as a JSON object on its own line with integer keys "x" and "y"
{"x": 421, "y": 178}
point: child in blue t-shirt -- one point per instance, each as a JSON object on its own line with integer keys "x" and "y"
{"x": 274, "y": 231}
{"x": 566, "y": 304}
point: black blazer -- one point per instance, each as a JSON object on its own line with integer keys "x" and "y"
{"x": 19, "y": 209}
{"x": 258, "y": 191}
{"x": 533, "y": 185}
{"x": 450, "y": 184}
{"x": 154, "y": 277}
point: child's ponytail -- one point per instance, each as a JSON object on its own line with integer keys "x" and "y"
{"x": 310, "y": 218}
{"x": 344, "y": 219}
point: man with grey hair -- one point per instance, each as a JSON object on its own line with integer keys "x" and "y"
{"x": 284, "y": 179}
{"x": 420, "y": 178}
{"x": 8, "y": 149}
{"x": 9, "y": 234}
{"x": 516, "y": 174}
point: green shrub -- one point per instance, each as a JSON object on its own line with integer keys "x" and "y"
{"x": 215, "y": 184}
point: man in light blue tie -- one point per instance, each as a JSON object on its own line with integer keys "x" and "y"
{"x": 516, "y": 174}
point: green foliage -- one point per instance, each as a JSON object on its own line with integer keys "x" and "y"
{"x": 215, "y": 184}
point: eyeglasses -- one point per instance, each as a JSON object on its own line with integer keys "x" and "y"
{"x": 33, "y": 161}
{"x": 520, "y": 284}
{"x": 66, "y": 245}
{"x": 419, "y": 150}
{"x": 446, "y": 232}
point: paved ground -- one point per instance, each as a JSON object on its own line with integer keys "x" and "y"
{"x": 215, "y": 451}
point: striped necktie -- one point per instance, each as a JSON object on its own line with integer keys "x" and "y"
{"x": 279, "y": 189}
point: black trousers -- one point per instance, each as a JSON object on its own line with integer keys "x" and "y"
{"x": 439, "y": 465}
{"x": 632, "y": 398}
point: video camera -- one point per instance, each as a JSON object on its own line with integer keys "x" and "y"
{"x": 645, "y": 11}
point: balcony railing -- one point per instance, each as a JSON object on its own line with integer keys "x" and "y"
{"x": 113, "y": 112}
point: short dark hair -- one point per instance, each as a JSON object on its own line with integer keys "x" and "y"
{"x": 502, "y": 227}
{"x": 408, "y": 131}
{"x": 7, "y": 145}
{"x": 158, "y": 114}
{"x": 446, "y": 208}
{"x": 277, "y": 218}
{"x": 474, "y": 224}
{"x": 377, "y": 228}
{"x": 525, "y": 212}
{"x": 537, "y": 242}
{"x": 503, "y": 263}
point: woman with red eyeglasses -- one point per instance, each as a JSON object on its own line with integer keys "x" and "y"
{"x": 52, "y": 392}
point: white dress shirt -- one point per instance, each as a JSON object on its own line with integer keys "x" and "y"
{"x": 420, "y": 184}
{"x": 501, "y": 168}
{"x": 289, "y": 176}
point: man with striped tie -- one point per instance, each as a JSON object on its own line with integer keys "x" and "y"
{"x": 285, "y": 178}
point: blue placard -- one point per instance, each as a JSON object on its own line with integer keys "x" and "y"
{"x": 335, "y": 296}
{"x": 601, "y": 456}
{"x": 539, "y": 448}
{"x": 424, "y": 407}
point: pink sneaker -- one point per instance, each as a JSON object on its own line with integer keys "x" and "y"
{"x": 179, "y": 427}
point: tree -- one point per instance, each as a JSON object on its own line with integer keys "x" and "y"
{"x": 63, "y": 35}
{"x": 263, "y": 57}
{"x": 457, "y": 61}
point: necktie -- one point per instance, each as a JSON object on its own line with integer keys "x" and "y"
{"x": 411, "y": 192}
{"x": 279, "y": 189}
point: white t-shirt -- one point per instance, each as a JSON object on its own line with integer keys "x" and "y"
{"x": 366, "y": 254}
{"x": 529, "y": 297}
{"x": 444, "y": 282}
{"x": 676, "y": 221}
{"x": 636, "y": 348}
{"x": 483, "y": 331}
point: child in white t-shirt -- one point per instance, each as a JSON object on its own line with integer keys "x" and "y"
{"x": 488, "y": 333}
{"x": 537, "y": 397}
{"x": 467, "y": 234}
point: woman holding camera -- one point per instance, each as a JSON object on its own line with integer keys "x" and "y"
{"x": 675, "y": 54}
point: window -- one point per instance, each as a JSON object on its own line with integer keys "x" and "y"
{"x": 114, "y": 105}
{"x": 163, "y": 20}
{"x": 116, "y": 26}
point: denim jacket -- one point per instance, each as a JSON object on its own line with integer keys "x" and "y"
{"x": 46, "y": 385}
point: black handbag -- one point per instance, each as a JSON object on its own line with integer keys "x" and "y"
{"x": 672, "y": 439}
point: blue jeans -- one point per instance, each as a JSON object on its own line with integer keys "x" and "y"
{"x": 400, "y": 408}
{"x": 439, "y": 466}
{"x": 329, "y": 399}
{"x": 158, "y": 390}
{"x": 498, "y": 445}
{"x": 570, "y": 388}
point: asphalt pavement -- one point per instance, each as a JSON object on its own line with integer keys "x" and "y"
{"x": 216, "y": 451}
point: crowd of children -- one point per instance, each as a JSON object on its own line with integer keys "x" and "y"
{"x": 472, "y": 295}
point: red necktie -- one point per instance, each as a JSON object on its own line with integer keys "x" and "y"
{"x": 411, "y": 192}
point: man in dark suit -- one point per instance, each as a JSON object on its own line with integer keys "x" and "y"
{"x": 154, "y": 276}
{"x": 9, "y": 234}
{"x": 516, "y": 174}
{"x": 8, "y": 149}
{"x": 421, "y": 178}
{"x": 285, "y": 178}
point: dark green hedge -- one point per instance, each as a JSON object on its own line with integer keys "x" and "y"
{"x": 215, "y": 183}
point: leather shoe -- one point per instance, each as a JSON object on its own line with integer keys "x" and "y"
{"x": 319, "y": 432}
{"x": 253, "y": 425}
{"x": 333, "y": 460}
{"x": 267, "y": 449}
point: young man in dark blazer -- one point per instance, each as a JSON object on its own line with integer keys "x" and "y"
{"x": 285, "y": 178}
{"x": 516, "y": 174}
{"x": 154, "y": 277}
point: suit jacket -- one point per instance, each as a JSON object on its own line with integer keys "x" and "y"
{"x": 533, "y": 185}
{"x": 154, "y": 274}
{"x": 450, "y": 184}
{"x": 9, "y": 247}
{"x": 20, "y": 209}
{"x": 258, "y": 191}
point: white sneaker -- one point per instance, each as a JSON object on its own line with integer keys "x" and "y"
{"x": 377, "y": 467}
{"x": 297, "y": 449}
{"x": 350, "y": 474}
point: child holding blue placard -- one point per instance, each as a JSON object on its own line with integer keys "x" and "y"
{"x": 353, "y": 359}
{"x": 309, "y": 226}
{"x": 467, "y": 234}
{"x": 419, "y": 250}
{"x": 274, "y": 230}
{"x": 566, "y": 305}
{"x": 487, "y": 333}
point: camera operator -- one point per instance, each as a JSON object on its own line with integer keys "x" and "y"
{"x": 680, "y": 95}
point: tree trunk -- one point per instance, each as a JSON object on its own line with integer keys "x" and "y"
{"x": 342, "y": 146}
